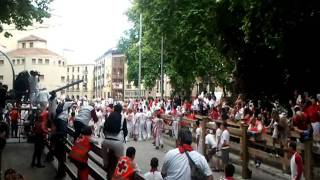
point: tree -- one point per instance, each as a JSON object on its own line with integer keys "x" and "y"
{"x": 190, "y": 51}
{"x": 273, "y": 44}
{"x": 22, "y": 13}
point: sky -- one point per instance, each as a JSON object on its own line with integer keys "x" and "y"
{"x": 80, "y": 30}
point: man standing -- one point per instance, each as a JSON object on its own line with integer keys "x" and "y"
{"x": 224, "y": 144}
{"x": 176, "y": 162}
{"x": 296, "y": 165}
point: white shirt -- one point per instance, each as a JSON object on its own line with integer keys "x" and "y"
{"x": 64, "y": 114}
{"x": 84, "y": 114}
{"x": 211, "y": 140}
{"x": 153, "y": 176}
{"x": 176, "y": 165}
{"x": 218, "y": 136}
{"x": 43, "y": 96}
{"x": 225, "y": 137}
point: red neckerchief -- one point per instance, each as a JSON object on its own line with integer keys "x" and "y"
{"x": 228, "y": 178}
{"x": 153, "y": 170}
{"x": 184, "y": 148}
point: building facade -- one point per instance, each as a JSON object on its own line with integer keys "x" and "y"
{"x": 109, "y": 75}
{"x": 77, "y": 72}
{"x": 32, "y": 54}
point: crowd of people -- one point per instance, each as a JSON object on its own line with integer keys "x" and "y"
{"x": 141, "y": 120}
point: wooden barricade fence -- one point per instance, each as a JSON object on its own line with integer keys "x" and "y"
{"x": 238, "y": 133}
{"x": 92, "y": 161}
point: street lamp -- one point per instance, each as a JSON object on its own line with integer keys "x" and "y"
{"x": 13, "y": 73}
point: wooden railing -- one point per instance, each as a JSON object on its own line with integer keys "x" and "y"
{"x": 93, "y": 161}
{"x": 238, "y": 133}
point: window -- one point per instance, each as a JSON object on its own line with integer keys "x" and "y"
{"x": 23, "y": 61}
{"x": 62, "y": 63}
{"x": 39, "y": 61}
{"x": 62, "y": 79}
{"x": 72, "y": 77}
{"x": 18, "y": 61}
{"x": 31, "y": 45}
{"x": 13, "y": 61}
{"x": 47, "y": 61}
{"x": 67, "y": 78}
{"x": 1, "y": 61}
{"x": 33, "y": 61}
{"x": 59, "y": 62}
{"x": 72, "y": 69}
{"x": 23, "y": 45}
{"x": 1, "y": 77}
{"x": 78, "y": 77}
{"x": 78, "y": 69}
{"x": 41, "y": 77}
{"x": 86, "y": 69}
{"x": 67, "y": 69}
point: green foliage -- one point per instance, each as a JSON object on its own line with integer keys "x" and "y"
{"x": 189, "y": 43}
{"x": 22, "y": 13}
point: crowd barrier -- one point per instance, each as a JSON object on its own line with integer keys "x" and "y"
{"x": 95, "y": 163}
{"x": 248, "y": 149}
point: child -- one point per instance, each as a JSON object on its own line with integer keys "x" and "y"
{"x": 229, "y": 171}
{"x": 80, "y": 152}
{"x": 154, "y": 174}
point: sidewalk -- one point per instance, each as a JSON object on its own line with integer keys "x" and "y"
{"x": 19, "y": 155}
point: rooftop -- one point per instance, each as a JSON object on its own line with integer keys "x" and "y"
{"x": 32, "y": 38}
{"x": 31, "y": 52}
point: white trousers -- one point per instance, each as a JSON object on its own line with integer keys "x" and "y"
{"x": 149, "y": 122}
{"x": 142, "y": 130}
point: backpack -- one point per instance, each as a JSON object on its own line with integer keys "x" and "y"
{"x": 196, "y": 172}
{"x": 59, "y": 109}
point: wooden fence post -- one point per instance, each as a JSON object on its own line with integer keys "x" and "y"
{"x": 204, "y": 132}
{"x": 244, "y": 151}
{"x": 308, "y": 159}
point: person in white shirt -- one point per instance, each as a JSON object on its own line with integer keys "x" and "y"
{"x": 176, "y": 163}
{"x": 198, "y": 138}
{"x": 86, "y": 113}
{"x": 153, "y": 174}
{"x": 149, "y": 123}
{"x": 224, "y": 144}
{"x": 142, "y": 126}
{"x": 211, "y": 144}
{"x": 43, "y": 98}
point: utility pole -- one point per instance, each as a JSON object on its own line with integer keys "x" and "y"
{"x": 140, "y": 42}
{"x": 161, "y": 80}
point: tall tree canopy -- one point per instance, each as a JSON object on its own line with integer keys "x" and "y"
{"x": 189, "y": 43}
{"x": 22, "y": 13}
{"x": 272, "y": 44}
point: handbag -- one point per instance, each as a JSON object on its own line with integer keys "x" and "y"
{"x": 196, "y": 172}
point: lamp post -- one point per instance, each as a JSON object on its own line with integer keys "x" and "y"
{"x": 140, "y": 42}
{"x": 161, "y": 87}
{"x": 12, "y": 69}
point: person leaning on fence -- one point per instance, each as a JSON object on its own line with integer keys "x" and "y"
{"x": 177, "y": 164}
{"x": 115, "y": 131}
{"x": 86, "y": 113}
{"x": 40, "y": 132}
{"x": 80, "y": 152}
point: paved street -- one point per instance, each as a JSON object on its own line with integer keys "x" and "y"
{"x": 18, "y": 156}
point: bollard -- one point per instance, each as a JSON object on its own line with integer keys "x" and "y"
{"x": 244, "y": 151}
{"x": 308, "y": 159}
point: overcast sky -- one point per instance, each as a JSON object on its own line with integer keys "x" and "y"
{"x": 86, "y": 28}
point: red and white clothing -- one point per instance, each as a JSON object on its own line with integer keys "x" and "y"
{"x": 296, "y": 166}
{"x": 153, "y": 175}
{"x": 157, "y": 130}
